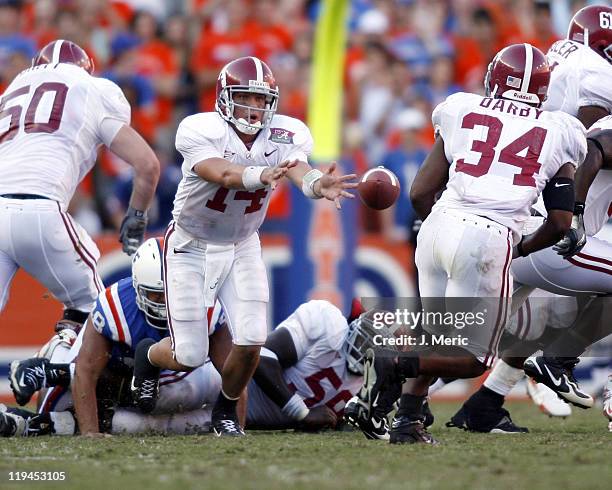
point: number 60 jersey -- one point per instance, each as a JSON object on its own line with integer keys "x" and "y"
{"x": 216, "y": 214}
{"x": 52, "y": 119}
{"x": 502, "y": 154}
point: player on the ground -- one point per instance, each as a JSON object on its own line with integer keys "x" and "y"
{"x": 311, "y": 364}
{"x": 53, "y": 118}
{"x": 233, "y": 159}
{"x": 127, "y": 312}
{"x": 503, "y": 152}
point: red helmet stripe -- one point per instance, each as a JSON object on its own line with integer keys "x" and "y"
{"x": 528, "y": 67}
{"x": 57, "y": 49}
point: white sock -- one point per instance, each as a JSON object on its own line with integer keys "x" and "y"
{"x": 438, "y": 385}
{"x": 63, "y": 423}
{"x": 503, "y": 378}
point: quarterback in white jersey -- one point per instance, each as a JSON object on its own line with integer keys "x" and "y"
{"x": 492, "y": 157}
{"x": 233, "y": 159}
{"x": 53, "y": 118}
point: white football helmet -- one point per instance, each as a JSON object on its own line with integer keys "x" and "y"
{"x": 148, "y": 281}
{"x": 360, "y": 337}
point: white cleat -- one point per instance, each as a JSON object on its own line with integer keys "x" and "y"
{"x": 547, "y": 400}
{"x": 607, "y": 402}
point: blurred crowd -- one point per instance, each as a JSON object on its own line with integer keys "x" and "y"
{"x": 403, "y": 58}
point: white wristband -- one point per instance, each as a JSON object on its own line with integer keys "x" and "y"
{"x": 308, "y": 182}
{"x": 251, "y": 178}
{"x": 295, "y": 408}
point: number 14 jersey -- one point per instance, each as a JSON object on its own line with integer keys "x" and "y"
{"x": 52, "y": 119}
{"x": 207, "y": 210}
{"x": 502, "y": 154}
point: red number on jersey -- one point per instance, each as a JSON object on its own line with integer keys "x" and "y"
{"x": 256, "y": 197}
{"x": 314, "y": 383}
{"x": 30, "y": 125}
{"x": 531, "y": 141}
{"x": 14, "y": 112}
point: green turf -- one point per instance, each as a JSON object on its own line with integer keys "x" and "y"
{"x": 556, "y": 454}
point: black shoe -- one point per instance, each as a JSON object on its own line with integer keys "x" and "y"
{"x": 557, "y": 373}
{"x": 379, "y": 373}
{"x": 227, "y": 427}
{"x": 479, "y": 414}
{"x": 356, "y": 414}
{"x": 429, "y": 416}
{"x": 145, "y": 382}
{"x": 27, "y": 377}
{"x": 407, "y": 430}
{"x": 145, "y": 392}
{"x": 11, "y": 425}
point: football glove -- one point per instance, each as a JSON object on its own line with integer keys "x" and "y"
{"x": 575, "y": 239}
{"x": 131, "y": 233}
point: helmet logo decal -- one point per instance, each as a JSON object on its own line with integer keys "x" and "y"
{"x": 513, "y": 81}
{"x": 280, "y": 135}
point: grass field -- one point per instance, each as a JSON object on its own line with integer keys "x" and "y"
{"x": 571, "y": 453}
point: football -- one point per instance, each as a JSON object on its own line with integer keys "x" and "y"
{"x": 379, "y": 188}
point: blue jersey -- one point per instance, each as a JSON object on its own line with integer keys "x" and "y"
{"x": 117, "y": 317}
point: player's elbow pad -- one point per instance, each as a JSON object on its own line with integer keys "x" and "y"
{"x": 559, "y": 194}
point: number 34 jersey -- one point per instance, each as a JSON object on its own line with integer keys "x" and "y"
{"x": 52, "y": 119}
{"x": 211, "y": 212}
{"x": 320, "y": 376}
{"x": 502, "y": 154}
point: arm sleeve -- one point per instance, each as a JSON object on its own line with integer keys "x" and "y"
{"x": 593, "y": 91}
{"x": 575, "y": 145}
{"x": 302, "y": 144}
{"x": 443, "y": 119}
{"x": 99, "y": 318}
{"x": 112, "y": 110}
{"x": 198, "y": 141}
{"x": 315, "y": 325}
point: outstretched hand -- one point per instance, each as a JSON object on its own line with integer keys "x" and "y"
{"x": 272, "y": 175}
{"x": 333, "y": 188}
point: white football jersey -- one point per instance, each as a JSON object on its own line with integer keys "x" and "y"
{"x": 320, "y": 376}
{"x": 580, "y": 77}
{"x": 502, "y": 154}
{"x": 598, "y": 205}
{"x": 53, "y": 119}
{"x": 211, "y": 212}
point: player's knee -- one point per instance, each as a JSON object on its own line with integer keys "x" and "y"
{"x": 250, "y": 325}
{"x": 190, "y": 355}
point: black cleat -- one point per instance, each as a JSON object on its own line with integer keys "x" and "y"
{"x": 407, "y": 430}
{"x": 379, "y": 373}
{"x": 557, "y": 373}
{"x": 145, "y": 382}
{"x": 356, "y": 414}
{"x": 490, "y": 421}
{"x": 227, "y": 428}
{"x": 145, "y": 392}
{"x": 27, "y": 377}
{"x": 11, "y": 425}
{"x": 429, "y": 416}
